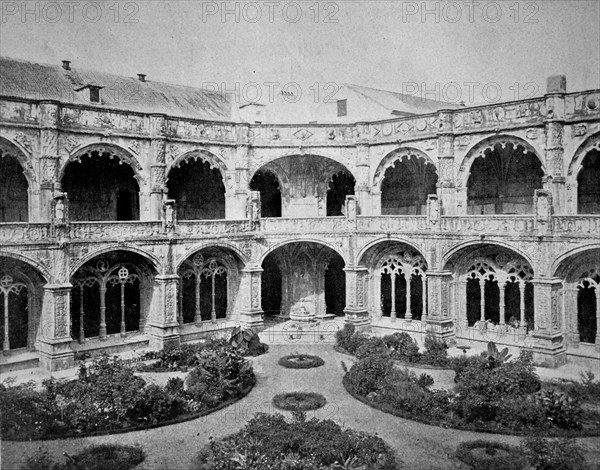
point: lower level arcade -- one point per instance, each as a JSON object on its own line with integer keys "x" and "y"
{"x": 120, "y": 297}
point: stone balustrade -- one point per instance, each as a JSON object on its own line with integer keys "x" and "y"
{"x": 584, "y": 226}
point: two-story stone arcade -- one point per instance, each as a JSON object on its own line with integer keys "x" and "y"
{"x": 139, "y": 213}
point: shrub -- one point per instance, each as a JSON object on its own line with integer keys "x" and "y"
{"x": 269, "y": 441}
{"x": 482, "y": 386}
{"x": 587, "y": 390}
{"x": 300, "y": 361}
{"x": 218, "y": 376}
{"x": 304, "y": 401}
{"x": 247, "y": 342}
{"x": 355, "y": 342}
{"x": 98, "y": 457}
{"x": 155, "y": 404}
{"x": 553, "y": 454}
{"x": 490, "y": 455}
{"x": 370, "y": 374}
{"x": 521, "y": 414}
{"x": 372, "y": 346}
{"x": 342, "y": 336}
{"x": 403, "y": 347}
{"x": 436, "y": 351}
{"x": 562, "y": 410}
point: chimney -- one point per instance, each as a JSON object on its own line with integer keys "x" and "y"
{"x": 141, "y": 77}
{"x": 556, "y": 84}
{"x": 66, "y": 64}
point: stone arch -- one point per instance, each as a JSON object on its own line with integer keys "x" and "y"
{"x": 304, "y": 181}
{"x": 478, "y": 150}
{"x": 394, "y": 156}
{"x": 492, "y": 286}
{"x": 103, "y": 182}
{"x": 21, "y": 293}
{"x": 589, "y": 144}
{"x": 449, "y": 254}
{"x": 209, "y": 280}
{"x": 332, "y": 246}
{"x": 113, "y": 293}
{"x": 42, "y": 270}
{"x": 114, "y": 150}
{"x": 150, "y": 257}
{"x": 586, "y": 194}
{"x": 579, "y": 271}
{"x": 362, "y": 254}
{"x": 198, "y": 154}
{"x": 244, "y": 258}
{"x": 303, "y": 277}
{"x": 197, "y": 181}
{"x": 399, "y": 279}
{"x": 15, "y": 150}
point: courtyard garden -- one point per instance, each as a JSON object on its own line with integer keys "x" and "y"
{"x": 493, "y": 392}
{"x": 302, "y": 418}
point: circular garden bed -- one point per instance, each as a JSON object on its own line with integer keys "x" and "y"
{"x": 301, "y": 361}
{"x": 303, "y": 401}
{"x": 490, "y": 455}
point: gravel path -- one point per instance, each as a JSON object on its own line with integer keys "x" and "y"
{"x": 418, "y": 446}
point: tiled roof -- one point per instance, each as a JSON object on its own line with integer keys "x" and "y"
{"x": 399, "y": 102}
{"x": 22, "y": 79}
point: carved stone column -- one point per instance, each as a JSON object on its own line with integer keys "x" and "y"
{"x": 438, "y": 301}
{"x": 54, "y": 334}
{"x": 251, "y": 314}
{"x": 363, "y": 183}
{"x": 555, "y": 120}
{"x": 162, "y": 327}
{"x": 49, "y": 162}
{"x": 157, "y": 165}
{"x": 237, "y": 185}
{"x": 447, "y": 173}
{"x": 548, "y": 344}
{"x": 357, "y": 288}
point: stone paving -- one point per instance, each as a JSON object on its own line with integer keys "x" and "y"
{"x": 418, "y": 446}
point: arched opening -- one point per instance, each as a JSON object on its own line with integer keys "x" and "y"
{"x": 270, "y": 195}
{"x": 503, "y": 180}
{"x": 111, "y": 295}
{"x": 14, "y": 196}
{"x": 21, "y": 295}
{"x": 588, "y": 184}
{"x": 198, "y": 189}
{"x": 581, "y": 295}
{"x": 271, "y": 284}
{"x": 208, "y": 285}
{"x": 341, "y": 185}
{"x": 96, "y": 184}
{"x": 311, "y": 277}
{"x": 306, "y": 190}
{"x": 587, "y": 292}
{"x": 402, "y": 279}
{"x": 406, "y": 185}
{"x": 492, "y": 285}
{"x": 335, "y": 286}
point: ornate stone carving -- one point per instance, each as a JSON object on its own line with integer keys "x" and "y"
{"x": 71, "y": 143}
{"x": 60, "y": 315}
{"x": 24, "y": 141}
{"x": 579, "y": 130}
{"x": 134, "y": 146}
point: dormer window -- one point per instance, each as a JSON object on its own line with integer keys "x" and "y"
{"x": 94, "y": 94}
{"x": 342, "y": 108}
{"x": 91, "y": 93}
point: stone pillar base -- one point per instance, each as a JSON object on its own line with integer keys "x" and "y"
{"x": 163, "y": 335}
{"x": 254, "y": 319}
{"x": 358, "y": 317}
{"x": 548, "y": 349}
{"x": 56, "y": 355}
{"x": 442, "y": 328}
